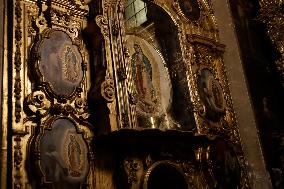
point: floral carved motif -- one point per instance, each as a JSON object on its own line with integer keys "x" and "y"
{"x": 108, "y": 90}
{"x": 18, "y": 61}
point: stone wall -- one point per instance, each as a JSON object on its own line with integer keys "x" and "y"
{"x": 241, "y": 99}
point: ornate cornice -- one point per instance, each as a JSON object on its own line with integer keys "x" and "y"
{"x": 272, "y": 14}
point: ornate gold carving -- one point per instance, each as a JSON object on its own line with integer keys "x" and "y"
{"x": 200, "y": 49}
{"x": 272, "y": 14}
{"x": 18, "y": 61}
{"x": 131, "y": 167}
{"x": 115, "y": 29}
{"x": 133, "y": 98}
{"x": 103, "y": 24}
{"x": 108, "y": 90}
{"x": 121, "y": 74}
{"x": 32, "y": 17}
{"x": 18, "y": 158}
{"x": 204, "y": 23}
{"x": 37, "y": 103}
{"x": 125, "y": 120}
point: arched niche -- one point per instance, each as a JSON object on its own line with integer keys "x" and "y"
{"x": 165, "y": 175}
{"x": 156, "y": 68}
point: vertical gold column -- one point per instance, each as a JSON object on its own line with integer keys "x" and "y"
{"x": 3, "y": 92}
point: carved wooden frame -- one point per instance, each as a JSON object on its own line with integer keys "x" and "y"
{"x": 40, "y": 79}
{"x": 35, "y": 144}
{"x": 192, "y": 35}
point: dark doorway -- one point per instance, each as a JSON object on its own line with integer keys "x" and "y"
{"x": 166, "y": 176}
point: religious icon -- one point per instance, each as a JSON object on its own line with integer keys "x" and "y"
{"x": 74, "y": 156}
{"x": 190, "y": 9}
{"x": 71, "y": 65}
{"x": 60, "y": 63}
{"x": 211, "y": 94}
{"x": 142, "y": 75}
{"x": 64, "y": 159}
{"x": 151, "y": 84}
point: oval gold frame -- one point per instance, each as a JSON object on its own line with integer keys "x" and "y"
{"x": 40, "y": 79}
{"x": 35, "y": 147}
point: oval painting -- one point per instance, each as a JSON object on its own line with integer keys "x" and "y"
{"x": 61, "y": 63}
{"x": 190, "y": 9}
{"x": 211, "y": 94}
{"x": 64, "y": 160}
{"x": 152, "y": 83}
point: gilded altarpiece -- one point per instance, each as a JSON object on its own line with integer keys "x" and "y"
{"x": 51, "y": 137}
{"x": 173, "y": 85}
{"x": 158, "y": 72}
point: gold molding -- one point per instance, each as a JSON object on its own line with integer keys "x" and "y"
{"x": 271, "y": 14}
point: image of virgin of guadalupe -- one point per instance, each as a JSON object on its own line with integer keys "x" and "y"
{"x": 74, "y": 156}
{"x": 142, "y": 75}
{"x": 71, "y": 65}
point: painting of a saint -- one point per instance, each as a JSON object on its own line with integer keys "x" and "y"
{"x": 142, "y": 75}
{"x": 64, "y": 158}
{"x": 211, "y": 94}
{"x": 60, "y": 63}
{"x": 71, "y": 65}
{"x": 74, "y": 156}
{"x": 190, "y": 9}
{"x": 151, "y": 84}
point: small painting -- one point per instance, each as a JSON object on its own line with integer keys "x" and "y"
{"x": 211, "y": 94}
{"x": 190, "y": 9}
{"x": 61, "y": 63}
{"x": 64, "y": 159}
{"x": 152, "y": 84}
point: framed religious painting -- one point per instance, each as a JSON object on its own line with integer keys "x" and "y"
{"x": 152, "y": 84}
{"x": 158, "y": 69}
{"x": 63, "y": 155}
{"x": 211, "y": 94}
{"x": 58, "y": 63}
{"x": 190, "y": 9}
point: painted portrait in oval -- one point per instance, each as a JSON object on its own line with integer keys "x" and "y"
{"x": 151, "y": 79}
{"x": 190, "y": 9}
{"x": 64, "y": 160}
{"x": 61, "y": 63}
{"x": 211, "y": 94}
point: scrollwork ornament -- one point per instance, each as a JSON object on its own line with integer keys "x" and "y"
{"x": 37, "y": 103}
{"x": 108, "y": 90}
{"x": 40, "y": 23}
{"x": 103, "y": 24}
{"x": 131, "y": 167}
{"x": 81, "y": 108}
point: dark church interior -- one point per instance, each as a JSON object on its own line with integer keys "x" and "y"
{"x": 142, "y": 94}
